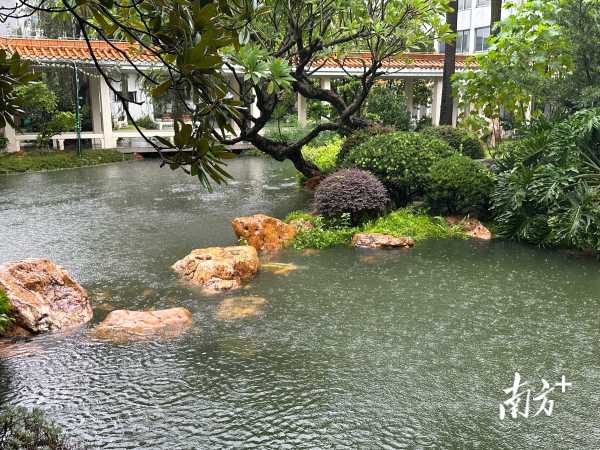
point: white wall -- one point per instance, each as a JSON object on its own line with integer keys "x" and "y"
{"x": 134, "y": 85}
{"x": 477, "y": 17}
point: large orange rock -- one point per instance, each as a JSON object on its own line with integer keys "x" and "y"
{"x": 379, "y": 240}
{"x": 123, "y": 325}
{"x": 473, "y": 227}
{"x": 264, "y": 233}
{"x": 43, "y": 296}
{"x": 219, "y": 268}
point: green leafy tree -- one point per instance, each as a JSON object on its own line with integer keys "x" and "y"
{"x": 40, "y": 109}
{"x": 266, "y": 48}
{"x": 14, "y": 73}
{"x": 388, "y": 103}
{"x": 546, "y": 54}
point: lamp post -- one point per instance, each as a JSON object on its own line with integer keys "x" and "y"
{"x": 77, "y": 114}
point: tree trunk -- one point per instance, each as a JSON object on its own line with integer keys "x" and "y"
{"x": 496, "y": 16}
{"x": 281, "y": 152}
{"x": 447, "y": 107}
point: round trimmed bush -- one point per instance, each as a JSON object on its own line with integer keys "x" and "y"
{"x": 354, "y": 192}
{"x": 359, "y": 137}
{"x": 459, "y": 185}
{"x": 459, "y": 139}
{"x": 400, "y": 160}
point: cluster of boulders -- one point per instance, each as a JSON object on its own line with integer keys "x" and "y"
{"x": 45, "y": 298}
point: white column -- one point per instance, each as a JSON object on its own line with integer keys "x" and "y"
{"x": 301, "y": 111}
{"x": 106, "y": 114}
{"x": 436, "y": 102}
{"x": 254, "y": 108}
{"x": 95, "y": 109}
{"x": 234, "y": 89}
{"x": 454, "y": 111}
{"x": 13, "y": 145}
{"x": 408, "y": 93}
{"x": 325, "y": 83}
{"x": 528, "y": 110}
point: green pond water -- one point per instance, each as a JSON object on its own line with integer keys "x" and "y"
{"x": 355, "y": 349}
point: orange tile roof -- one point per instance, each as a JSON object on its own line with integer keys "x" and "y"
{"x": 407, "y": 61}
{"x": 41, "y": 49}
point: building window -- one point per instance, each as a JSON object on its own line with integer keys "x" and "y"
{"x": 132, "y": 96}
{"x": 464, "y": 4}
{"x": 481, "y": 3}
{"x": 462, "y": 41}
{"x": 481, "y": 39}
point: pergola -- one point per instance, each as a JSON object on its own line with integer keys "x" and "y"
{"x": 76, "y": 53}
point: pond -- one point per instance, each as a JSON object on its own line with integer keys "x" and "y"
{"x": 355, "y": 349}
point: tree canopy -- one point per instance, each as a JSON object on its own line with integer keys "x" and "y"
{"x": 257, "y": 50}
{"x": 544, "y": 53}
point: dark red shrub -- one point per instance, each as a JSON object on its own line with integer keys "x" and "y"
{"x": 354, "y": 192}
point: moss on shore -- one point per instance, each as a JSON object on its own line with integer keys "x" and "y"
{"x": 53, "y": 160}
{"x": 402, "y": 222}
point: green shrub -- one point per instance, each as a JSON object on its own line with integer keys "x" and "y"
{"x": 459, "y": 139}
{"x": 294, "y": 133}
{"x": 3, "y": 143}
{"x": 423, "y": 123}
{"x": 324, "y": 233}
{"x": 509, "y": 153}
{"x": 403, "y": 222}
{"x": 401, "y": 161}
{"x": 459, "y": 185}
{"x": 34, "y": 161}
{"x": 548, "y": 188}
{"x": 324, "y": 156}
{"x": 358, "y": 137}
{"x": 353, "y": 192}
{"x": 412, "y": 223}
{"x": 147, "y": 122}
{"x": 388, "y": 103}
{"x": 5, "y": 308}
{"x": 21, "y": 429}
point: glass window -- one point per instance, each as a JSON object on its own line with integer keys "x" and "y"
{"x": 462, "y": 41}
{"x": 481, "y": 39}
{"x": 464, "y": 4}
{"x": 483, "y": 3}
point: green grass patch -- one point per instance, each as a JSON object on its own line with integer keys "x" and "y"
{"x": 412, "y": 223}
{"x": 40, "y": 161}
{"x": 5, "y": 308}
{"x": 403, "y": 222}
{"x": 324, "y": 234}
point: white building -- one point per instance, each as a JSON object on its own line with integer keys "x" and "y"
{"x": 473, "y": 28}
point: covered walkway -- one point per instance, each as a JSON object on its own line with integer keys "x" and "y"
{"x": 47, "y": 52}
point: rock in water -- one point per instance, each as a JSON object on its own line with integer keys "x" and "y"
{"x": 43, "y": 296}
{"x": 219, "y": 268}
{"x": 473, "y": 227}
{"x": 264, "y": 233}
{"x": 379, "y": 240}
{"x": 123, "y": 325}
{"x": 279, "y": 268}
{"x": 240, "y": 307}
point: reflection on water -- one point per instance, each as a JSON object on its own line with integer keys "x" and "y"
{"x": 358, "y": 349}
